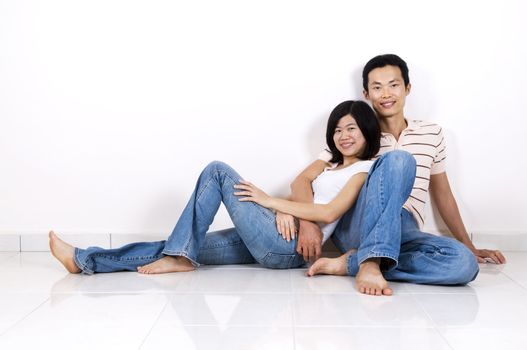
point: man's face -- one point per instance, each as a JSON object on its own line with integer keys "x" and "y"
{"x": 386, "y": 91}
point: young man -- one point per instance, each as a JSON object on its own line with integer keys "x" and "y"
{"x": 389, "y": 239}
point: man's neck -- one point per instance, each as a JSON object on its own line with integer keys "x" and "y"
{"x": 394, "y": 125}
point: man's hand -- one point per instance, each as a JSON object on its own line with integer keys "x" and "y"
{"x": 488, "y": 255}
{"x": 309, "y": 242}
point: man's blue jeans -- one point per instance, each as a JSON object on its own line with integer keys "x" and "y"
{"x": 254, "y": 237}
{"x": 378, "y": 227}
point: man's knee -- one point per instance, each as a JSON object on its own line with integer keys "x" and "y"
{"x": 465, "y": 267}
{"x": 400, "y": 162}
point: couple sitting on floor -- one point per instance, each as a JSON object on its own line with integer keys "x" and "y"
{"x": 367, "y": 191}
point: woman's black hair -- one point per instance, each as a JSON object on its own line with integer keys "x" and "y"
{"x": 367, "y": 123}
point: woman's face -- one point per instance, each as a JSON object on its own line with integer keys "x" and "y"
{"x": 348, "y": 138}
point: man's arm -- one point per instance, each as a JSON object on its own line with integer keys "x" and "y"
{"x": 446, "y": 205}
{"x": 309, "y": 242}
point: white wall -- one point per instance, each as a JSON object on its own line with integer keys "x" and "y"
{"x": 109, "y": 109}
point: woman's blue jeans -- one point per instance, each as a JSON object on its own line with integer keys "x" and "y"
{"x": 378, "y": 227}
{"x": 254, "y": 237}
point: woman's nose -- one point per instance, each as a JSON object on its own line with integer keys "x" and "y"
{"x": 345, "y": 135}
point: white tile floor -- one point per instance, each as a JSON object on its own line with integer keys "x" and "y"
{"x": 248, "y": 307}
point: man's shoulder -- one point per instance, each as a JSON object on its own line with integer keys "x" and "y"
{"x": 425, "y": 127}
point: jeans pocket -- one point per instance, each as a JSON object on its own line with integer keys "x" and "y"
{"x": 280, "y": 261}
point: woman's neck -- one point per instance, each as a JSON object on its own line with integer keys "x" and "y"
{"x": 347, "y": 161}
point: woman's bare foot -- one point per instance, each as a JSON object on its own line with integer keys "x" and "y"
{"x": 63, "y": 252}
{"x": 331, "y": 266}
{"x": 370, "y": 279}
{"x": 167, "y": 264}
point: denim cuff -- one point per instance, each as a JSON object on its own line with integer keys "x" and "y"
{"x": 353, "y": 266}
{"x": 183, "y": 254}
{"x": 388, "y": 261}
{"x": 83, "y": 267}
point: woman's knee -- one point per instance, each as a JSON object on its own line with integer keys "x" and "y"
{"x": 216, "y": 165}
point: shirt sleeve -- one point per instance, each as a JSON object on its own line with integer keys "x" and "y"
{"x": 325, "y": 156}
{"x": 439, "y": 164}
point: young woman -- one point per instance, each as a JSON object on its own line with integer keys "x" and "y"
{"x": 353, "y": 137}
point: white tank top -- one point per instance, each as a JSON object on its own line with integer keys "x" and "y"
{"x": 329, "y": 183}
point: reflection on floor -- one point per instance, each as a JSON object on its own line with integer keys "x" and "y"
{"x": 249, "y": 307}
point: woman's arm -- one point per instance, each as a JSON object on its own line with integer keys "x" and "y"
{"x": 325, "y": 213}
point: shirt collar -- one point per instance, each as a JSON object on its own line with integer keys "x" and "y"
{"x": 411, "y": 125}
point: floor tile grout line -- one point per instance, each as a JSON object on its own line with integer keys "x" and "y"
{"x": 438, "y": 331}
{"x": 436, "y": 326}
{"x": 154, "y": 324}
{"x": 23, "y": 318}
{"x": 514, "y": 280}
{"x": 422, "y": 308}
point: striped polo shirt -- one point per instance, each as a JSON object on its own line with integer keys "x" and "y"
{"x": 425, "y": 141}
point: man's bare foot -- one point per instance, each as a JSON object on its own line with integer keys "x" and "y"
{"x": 370, "y": 279}
{"x": 167, "y": 264}
{"x": 331, "y": 266}
{"x": 63, "y": 252}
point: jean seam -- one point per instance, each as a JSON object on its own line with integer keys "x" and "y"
{"x": 148, "y": 257}
{"x": 224, "y": 244}
{"x": 190, "y": 238}
{"x": 271, "y": 218}
{"x": 381, "y": 199}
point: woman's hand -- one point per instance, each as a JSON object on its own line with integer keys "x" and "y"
{"x": 285, "y": 224}
{"x": 251, "y": 193}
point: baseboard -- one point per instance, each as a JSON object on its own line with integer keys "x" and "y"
{"x": 507, "y": 241}
{"x": 38, "y": 242}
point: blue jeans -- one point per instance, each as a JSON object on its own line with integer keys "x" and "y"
{"x": 254, "y": 237}
{"x": 378, "y": 227}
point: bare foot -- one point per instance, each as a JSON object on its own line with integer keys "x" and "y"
{"x": 63, "y": 252}
{"x": 331, "y": 266}
{"x": 370, "y": 279}
{"x": 167, "y": 264}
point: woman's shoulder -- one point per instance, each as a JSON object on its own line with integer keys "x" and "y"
{"x": 363, "y": 165}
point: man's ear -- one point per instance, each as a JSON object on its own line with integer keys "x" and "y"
{"x": 366, "y": 94}
{"x": 408, "y": 88}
